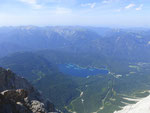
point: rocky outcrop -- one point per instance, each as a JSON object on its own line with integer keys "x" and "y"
{"x": 19, "y": 96}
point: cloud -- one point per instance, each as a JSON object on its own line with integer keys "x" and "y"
{"x": 61, "y": 10}
{"x": 109, "y": 1}
{"x": 117, "y": 10}
{"x": 106, "y": 1}
{"x": 91, "y": 5}
{"x": 33, "y": 3}
{"x": 140, "y": 7}
{"x": 129, "y": 6}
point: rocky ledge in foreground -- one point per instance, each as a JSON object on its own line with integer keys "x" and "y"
{"x": 19, "y": 96}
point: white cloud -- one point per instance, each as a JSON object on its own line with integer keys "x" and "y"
{"x": 129, "y": 6}
{"x": 62, "y": 11}
{"x": 117, "y": 10}
{"x": 109, "y": 1}
{"x": 91, "y": 5}
{"x": 33, "y": 3}
{"x": 106, "y": 1}
{"x": 140, "y": 7}
{"x": 29, "y": 1}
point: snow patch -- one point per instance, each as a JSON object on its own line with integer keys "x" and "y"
{"x": 81, "y": 94}
{"x": 142, "y": 106}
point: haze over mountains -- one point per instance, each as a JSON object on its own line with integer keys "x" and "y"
{"x": 36, "y": 53}
{"x": 75, "y": 39}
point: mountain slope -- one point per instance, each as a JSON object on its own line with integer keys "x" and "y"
{"x": 19, "y": 96}
{"x": 56, "y": 86}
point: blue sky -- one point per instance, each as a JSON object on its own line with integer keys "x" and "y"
{"x": 110, "y": 13}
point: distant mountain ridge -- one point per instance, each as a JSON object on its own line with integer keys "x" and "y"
{"x": 120, "y": 43}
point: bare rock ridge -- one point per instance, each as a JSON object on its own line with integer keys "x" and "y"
{"x": 17, "y": 95}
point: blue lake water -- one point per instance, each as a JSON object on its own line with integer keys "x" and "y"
{"x": 75, "y": 70}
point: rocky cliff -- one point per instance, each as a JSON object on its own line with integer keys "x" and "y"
{"x": 17, "y": 95}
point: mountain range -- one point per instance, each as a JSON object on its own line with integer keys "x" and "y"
{"x": 36, "y": 54}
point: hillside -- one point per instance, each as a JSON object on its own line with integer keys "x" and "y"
{"x": 43, "y": 75}
{"x": 19, "y": 96}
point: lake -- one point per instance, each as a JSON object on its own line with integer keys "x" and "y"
{"x": 76, "y": 70}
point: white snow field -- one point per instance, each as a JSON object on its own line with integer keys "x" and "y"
{"x": 142, "y": 106}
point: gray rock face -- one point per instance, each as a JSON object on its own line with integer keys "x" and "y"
{"x": 37, "y": 106}
{"x": 19, "y": 96}
{"x": 8, "y": 80}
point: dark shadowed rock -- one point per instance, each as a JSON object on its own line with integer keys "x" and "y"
{"x": 19, "y": 96}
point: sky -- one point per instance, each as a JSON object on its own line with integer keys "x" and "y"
{"x": 103, "y": 13}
